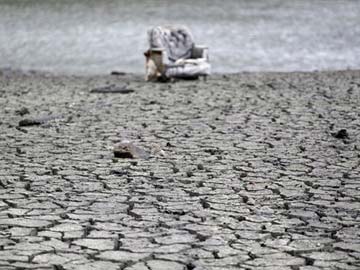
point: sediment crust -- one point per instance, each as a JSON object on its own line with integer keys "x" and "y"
{"x": 246, "y": 171}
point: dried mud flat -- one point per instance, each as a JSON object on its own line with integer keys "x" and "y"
{"x": 251, "y": 171}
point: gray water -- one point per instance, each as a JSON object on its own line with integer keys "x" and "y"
{"x": 96, "y": 37}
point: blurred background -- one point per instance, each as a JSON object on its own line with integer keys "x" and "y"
{"x": 96, "y": 37}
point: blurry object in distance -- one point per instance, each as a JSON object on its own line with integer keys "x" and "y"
{"x": 173, "y": 54}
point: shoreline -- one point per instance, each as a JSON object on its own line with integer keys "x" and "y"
{"x": 11, "y": 71}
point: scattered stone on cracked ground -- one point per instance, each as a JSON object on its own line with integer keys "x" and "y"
{"x": 341, "y": 134}
{"x": 127, "y": 149}
{"x": 255, "y": 198}
{"x": 29, "y": 122}
{"x": 123, "y": 89}
{"x": 36, "y": 121}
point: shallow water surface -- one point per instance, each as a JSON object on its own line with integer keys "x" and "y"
{"x": 89, "y": 36}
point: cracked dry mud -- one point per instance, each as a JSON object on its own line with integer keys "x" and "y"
{"x": 253, "y": 176}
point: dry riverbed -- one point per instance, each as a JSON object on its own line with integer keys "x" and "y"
{"x": 244, "y": 171}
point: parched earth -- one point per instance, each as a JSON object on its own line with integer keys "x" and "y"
{"x": 246, "y": 171}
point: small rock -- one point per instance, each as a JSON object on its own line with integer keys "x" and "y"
{"x": 119, "y": 172}
{"x": 113, "y": 89}
{"x": 19, "y": 150}
{"x": 189, "y": 173}
{"x": 54, "y": 171}
{"x": 341, "y": 134}
{"x": 118, "y": 73}
{"x": 200, "y": 184}
{"x": 37, "y": 121}
{"x": 106, "y": 186}
{"x": 127, "y": 149}
{"x": 168, "y": 144}
{"x": 29, "y": 122}
{"x": 22, "y": 111}
{"x": 27, "y": 186}
{"x": 175, "y": 169}
{"x": 116, "y": 244}
{"x": 200, "y": 167}
{"x": 245, "y": 199}
{"x": 204, "y": 203}
{"x": 215, "y": 253}
{"x": 243, "y": 175}
{"x": 64, "y": 216}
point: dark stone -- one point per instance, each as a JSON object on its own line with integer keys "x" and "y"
{"x": 64, "y": 216}
{"x": 200, "y": 184}
{"x": 117, "y": 244}
{"x": 168, "y": 144}
{"x": 243, "y": 175}
{"x": 190, "y": 266}
{"x": 204, "y": 203}
{"x": 215, "y": 253}
{"x": 106, "y": 186}
{"x": 200, "y": 167}
{"x": 213, "y": 151}
{"x": 118, "y": 73}
{"x": 309, "y": 261}
{"x": 118, "y": 172}
{"x": 112, "y": 89}
{"x": 22, "y": 111}
{"x": 341, "y": 134}
{"x": 27, "y": 186}
{"x": 29, "y": 122}
{"x": 19, "y": 150}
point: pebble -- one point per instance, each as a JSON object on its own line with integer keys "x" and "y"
{"x": 200, "y": 167}
{"x": 127, "y": 149}
{"x": 22, "y": 111}
{"x": 112, "y": 89}
{"x": 341, "y": 134}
